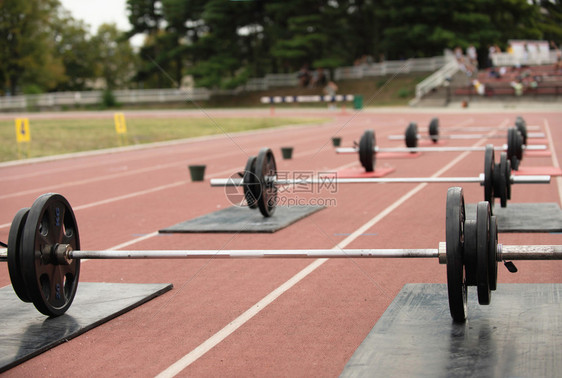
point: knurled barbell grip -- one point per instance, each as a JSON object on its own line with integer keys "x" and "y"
{"x": 351, "y": 150}
{"x": 527, "y": 179}
{"x": 275, "y": 253}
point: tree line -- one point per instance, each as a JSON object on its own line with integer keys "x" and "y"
{"x": 222, "y": 43}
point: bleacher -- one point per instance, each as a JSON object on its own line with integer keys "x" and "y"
{"x": 503, "y": 81}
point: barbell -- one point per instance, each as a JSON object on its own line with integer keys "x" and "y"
{"x": 368, "y": 149}
{"x": 518, "y": 120}
{"x": 412, "y": 137}
{"x": 260, "y": 180}
{"x": 44, "y": 254}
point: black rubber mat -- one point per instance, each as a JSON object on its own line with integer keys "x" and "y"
{"x": 243, "y": 219}
{"x": 517, "y": 335}
{"x": 26, "y": 332}
{"x": 524, "y": 217}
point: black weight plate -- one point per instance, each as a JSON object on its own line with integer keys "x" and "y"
{"x": 521, "y": 126}
{"x": 503, "y": 181}
{"x": 489, "y": 163}
{"x": 367, "y": 145}
{"x": 507, "y": 173}
{"x": 14, "y": 254}
{"x": 482, "y": 252}
{"x": 470, "y": 257}
{"x": 434, "y": 129}
{"x": 492, "y": 253}
{"x": 411, "y": 135}
{"x": 51, "y": 286}
{"x": 515, "y": 153}
{"x": 518, "y": 145}
{"x": 252, "y": 189}
{"x": 266, "y": 173}
{"x": 511, "y": 144}
{"x": 454, "y": 238}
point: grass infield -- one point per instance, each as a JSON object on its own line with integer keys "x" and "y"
{"x": 61, "y": 136}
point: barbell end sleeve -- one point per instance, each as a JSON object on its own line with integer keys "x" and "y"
{"x": 535, "y": 147}
{"x": 347, "y": 150}
{"x": 226, "y": 182}
{"x": 396, "y": 137}
{"x": 530, "y": 179}
{"x": 529, "y": 252}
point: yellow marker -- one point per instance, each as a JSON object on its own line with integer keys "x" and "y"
{"x": 22, "y": 130}
{"x": 120, "y": 125}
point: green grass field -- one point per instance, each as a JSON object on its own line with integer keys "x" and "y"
{"x": 54, "y": 137}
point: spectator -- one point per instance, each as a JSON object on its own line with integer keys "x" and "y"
{"x": 319, "y": 79}
{"x": 465, "y": 67}
{"x": 556, "y": 51}
{"x": 491, "y": 52}
{"x": 330, "y": 90}
{"x": 517, "y": 87}
{"x": 304, "y": 76}
{"x": 479, "y": 87}
{"x": 458, "y": 53}
{"x": 472, "y": 55}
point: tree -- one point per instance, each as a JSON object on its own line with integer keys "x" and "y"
{"x": 115, "y": 57}
{"x": 550, "y": 21}
{"x": 26, "y": 46}
{"x": 78, "y": 55}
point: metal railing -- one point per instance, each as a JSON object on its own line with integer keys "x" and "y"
{"x": 438, "y": 77}
{"x": 141, "y": 96}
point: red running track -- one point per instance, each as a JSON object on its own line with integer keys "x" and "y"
{"x": 313, "y": 325}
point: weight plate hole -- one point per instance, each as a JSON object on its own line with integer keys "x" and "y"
{"x": 44, "y": 225}
{"x": 45, "y": 286}
{"x": 68, "y": 282}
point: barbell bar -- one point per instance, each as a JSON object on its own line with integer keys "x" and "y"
{"x": 260, "y": 181}
{"x": 519, "y": 121}
{"x": 368, "y": 149}
{"x": 412, "y": 137}
{"x": 44, "y": 254}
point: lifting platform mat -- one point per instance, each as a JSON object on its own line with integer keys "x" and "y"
{"x": 517, "y": 335}
{"x": 243, "y": 219}
{"x": 524, "y": 217}
{"x": 27, "y": 333}
{"x": 550, "y": 171}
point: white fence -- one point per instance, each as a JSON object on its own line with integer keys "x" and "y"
{"x": 390, "y": 67}
{"x": 142, "y": 96}
{"x": 138, "y": 96}
{"x": 507, "y": 59}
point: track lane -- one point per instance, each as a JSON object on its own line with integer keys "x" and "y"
{"x": 303, "y": 303}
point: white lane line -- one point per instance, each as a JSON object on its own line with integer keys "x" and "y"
{"x": 136, "y": 194}
{"x": 60, "y": 185}
{"x": 168, "y": 186}
{"x": 555, "y": 161}
{"x": 218, "y": 337}
{"x": 63, "y": 184}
